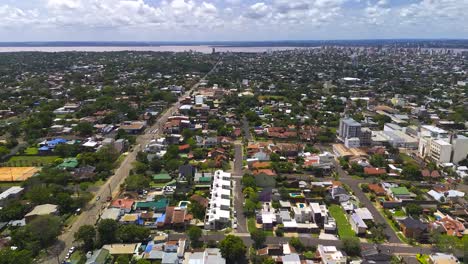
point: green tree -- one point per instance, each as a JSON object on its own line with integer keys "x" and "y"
{"x": 378, "y": 160}
{"x": 13, "y": 210}
{"x": 351, "y": 246}
{"x": 143, "y": 261}
{"x": 40, "y": 233}
{"x": 194, "y": 233}
{"x": 250, "y": 207}
{"x": 4, "y": 151}
{"x": 414, "y": 210}
{"x": 232, "y": 248}
{"x": 136, "y": 182}
{"x": 411, "y": 171}
{"x": 107, "y": 231}
{"x": 377, "y": 233}
{"x": 132, "y": 233}
{"x": 197, "y": 210}
{"x": 297, "y": 244}
{"x": 122, "y": 259}
{"x": 84, "y": 128}
{"x": 86, "y": 234}
{"x": 259, "y": 237}
{"x": 9, "y": 256}
{"x": 156, "y": 165}
{"x": 249, "y": 181}
{"x": 269, "y": 260}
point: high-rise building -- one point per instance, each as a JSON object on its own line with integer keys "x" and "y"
{"x": 349, "y": 128}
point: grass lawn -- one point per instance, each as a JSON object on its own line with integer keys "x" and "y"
{"x": 251, "y": 224}
{"x": 157, "y": 184}
{"x": 31, "y": 151}
{"x": 407, "y": 159}
{"x": 424, "y": 259}
{"x": 344, "y": 228}
{"x": 69, "y": 221}
{"x": 77, "y": 258}
{"x": 399, "y": 213}
{"x": 19, "y": 161}
{"x": 9, "y": 184}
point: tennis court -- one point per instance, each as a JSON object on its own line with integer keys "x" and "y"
{"x": 12, "y": 174}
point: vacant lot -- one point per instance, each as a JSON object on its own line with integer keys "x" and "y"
{"x": 344, "y": 228}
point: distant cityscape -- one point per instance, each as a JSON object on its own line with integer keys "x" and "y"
{"x": 294, "y": 152}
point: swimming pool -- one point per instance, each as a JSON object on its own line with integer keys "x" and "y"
{"x": 183, "y": 204}
{"x": 294, "y": 195}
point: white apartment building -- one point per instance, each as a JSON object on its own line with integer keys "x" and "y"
{"x": 440, "y": 151}
{"x": 302, "y": 213}
{"x": 331, "y": 255}
{"x": 436, "y": 144}
{"x": 218, "y": 212}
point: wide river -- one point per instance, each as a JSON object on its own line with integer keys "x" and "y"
{"x": 202, "y": 48}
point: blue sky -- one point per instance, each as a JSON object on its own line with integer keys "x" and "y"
{"x": 203, "y": 20}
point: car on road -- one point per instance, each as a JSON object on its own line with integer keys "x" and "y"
{"x": 98, "y": 198}
{"x": 234, "y": 226}
{"x": 235, "y": 213}
{"x": 109, "y": 198}
{"x": 71, "y": 250}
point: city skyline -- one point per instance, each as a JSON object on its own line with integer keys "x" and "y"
{"x": 230, "y": 20}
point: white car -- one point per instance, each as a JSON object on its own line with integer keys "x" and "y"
{"x": 71, "y": 250}
{"x": 234, "y": 226}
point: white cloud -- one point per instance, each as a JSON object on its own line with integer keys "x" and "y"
{"x": 12, "y": 16}
{"x": 258, "y": 10}
{"x": 267, "y": 19}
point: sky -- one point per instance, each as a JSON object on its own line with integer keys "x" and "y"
{"x": 230, "y": 20}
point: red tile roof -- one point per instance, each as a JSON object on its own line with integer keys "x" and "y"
{"x": 374, "y": 171}
{"x": 377, "y": 189}
{"x": 123, "y": 203}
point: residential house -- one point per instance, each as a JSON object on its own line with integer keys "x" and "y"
{"x": 377, "y": 189}
{"x": 177, "y": 217}
{"x": 13, "y": 192}
{"x": 208, "y": 256}
{"x": 399, "y": 193}
{"x": 357, "y": 224}
{"x": 330, "y": 255}
{"x": 125, "y": 205}
{"x": 100, "y": 256}
{"x": 43, "y": 209}
{"x": 339, "y": 194}
{"x": 371, "y": 171}
{"x": 133, "y": 127}
{"x": 448, "y": 225}
{"x": 186, "y": 172}
{"x": 116, "y": 250}
{"x": 414, "y": 228}
{"x": 442, "y": 258}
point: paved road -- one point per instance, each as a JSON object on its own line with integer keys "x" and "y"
{"x": 246, "y": 129}
{"x": 91, "y": 213}
{"x": 396, "y": 249}
{"x": 354, "y": 185}
{"x": 238, "y": 196}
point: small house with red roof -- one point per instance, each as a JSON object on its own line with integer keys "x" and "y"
{"x": 125, "y": 205}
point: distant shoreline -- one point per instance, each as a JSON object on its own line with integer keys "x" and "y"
{"x": 203, "y": 49}
{"x": 403, "y": 43}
